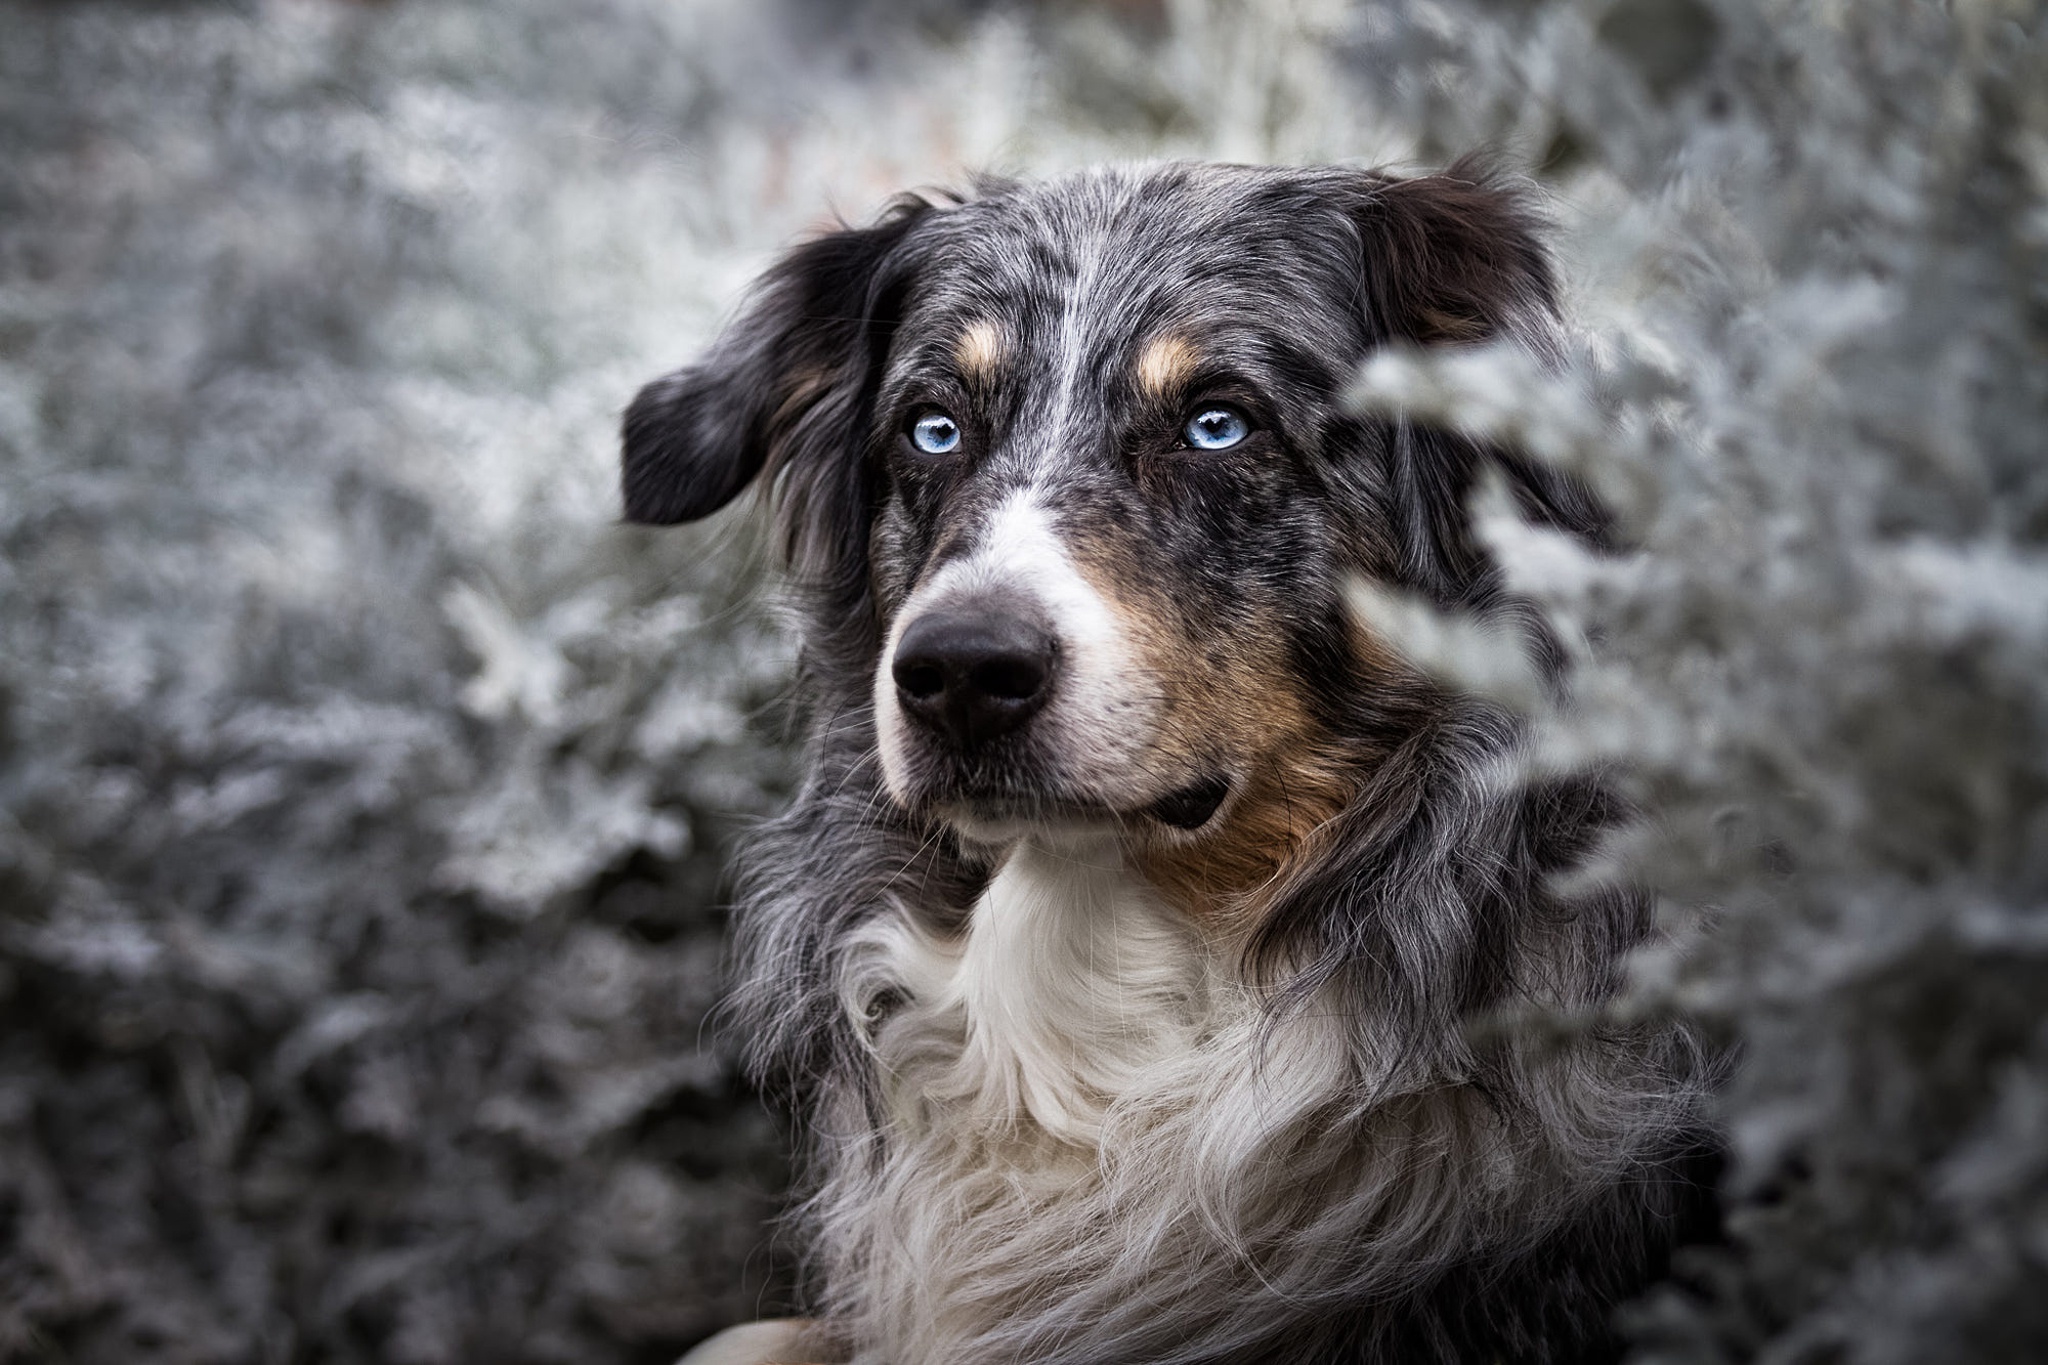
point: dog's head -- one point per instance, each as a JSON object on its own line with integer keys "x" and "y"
{"x": 1069, "y": 470}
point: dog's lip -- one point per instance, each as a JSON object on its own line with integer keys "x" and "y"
{"x": 1186, "y": 808}
{"x": 1023, "y": 808}
{"x": 1193, "y": 806}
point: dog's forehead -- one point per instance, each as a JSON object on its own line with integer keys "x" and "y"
{"x": 1112, "y": 257}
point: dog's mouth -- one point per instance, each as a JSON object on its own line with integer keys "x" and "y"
{"x": 993, "y": 817}
{"x": 1192, "y": 806}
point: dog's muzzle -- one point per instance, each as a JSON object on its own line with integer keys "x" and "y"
{"x": 971, "y": 674}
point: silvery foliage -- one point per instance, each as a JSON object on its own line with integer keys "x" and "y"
{"x": 364, "y": 784}
{"x": 1814, "y": 244}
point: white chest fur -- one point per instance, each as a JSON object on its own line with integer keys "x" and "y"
{"x": 1072, "y": 982}
{"x": 1091, "y": 1127}
{"x": 1077, "y": 1093}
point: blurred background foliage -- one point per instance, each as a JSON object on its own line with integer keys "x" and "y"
{"x": 364, "y": 786}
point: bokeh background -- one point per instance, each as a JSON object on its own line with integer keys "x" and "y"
{"x": 365, "y": 787}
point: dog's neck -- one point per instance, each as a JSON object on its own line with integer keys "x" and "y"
{"x": 1072, "y": 979}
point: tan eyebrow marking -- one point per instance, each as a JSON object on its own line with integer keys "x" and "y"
{"x": 978, "y": 351}
{"x": 1165, "y": 364}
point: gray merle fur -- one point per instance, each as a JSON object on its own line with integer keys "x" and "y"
{"x": 1427, "y": 902}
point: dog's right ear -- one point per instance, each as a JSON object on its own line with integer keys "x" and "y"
{"x": 781, "y": 381}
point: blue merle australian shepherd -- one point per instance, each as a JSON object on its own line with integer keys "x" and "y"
{"x": 1136, "y": 953}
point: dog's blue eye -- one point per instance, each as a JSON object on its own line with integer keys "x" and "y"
{"x": 935, "y": 434}
{"x": 1216, "y": 428}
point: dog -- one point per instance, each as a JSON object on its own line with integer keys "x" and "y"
{"x": 1142, "y": 953}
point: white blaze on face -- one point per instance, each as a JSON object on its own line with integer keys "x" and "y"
{"x": 1100, "y": 717}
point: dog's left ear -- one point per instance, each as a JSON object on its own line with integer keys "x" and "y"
{"x": 1445, "y": 259}
{"x": 780, "y": 387}
{"x": 1452, "y": 257}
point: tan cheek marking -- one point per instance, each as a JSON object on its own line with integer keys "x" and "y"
{"x": 1279, "y": 825}
{"x": 979, "y": 351}
{"x": 1292, "y": 783}
{"x": 1223, "y": 698}
{"x": 1294, "y": 778}
{"x": 1164, "y": 365}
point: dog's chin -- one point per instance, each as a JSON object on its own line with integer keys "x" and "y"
{"x": 994, "y": 828}
{"x": 999, "y": 820}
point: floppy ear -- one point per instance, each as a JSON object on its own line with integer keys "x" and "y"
{"x": 1449, "y": 259}
{"x": 780, "y": 387}
{"x": 1453, "y": 257}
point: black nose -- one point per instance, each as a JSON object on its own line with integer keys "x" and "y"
{"x": 973, "y": 675}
